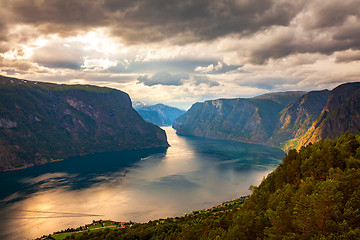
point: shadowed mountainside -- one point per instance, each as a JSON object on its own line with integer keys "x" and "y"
{"x": 340, "y": 114}
{"x": 42, "y": 122}
{"x": 287, "y": 120}
{"x": 245, "y": 119}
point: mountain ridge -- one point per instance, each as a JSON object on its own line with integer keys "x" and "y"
{"x": 340, "y": 114}
{"x": 42, "y": 122}
{"x": 242, "y": 119}
{"x": 285, "y": 119}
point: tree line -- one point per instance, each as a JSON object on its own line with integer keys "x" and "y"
{"x": 313, "y": 194}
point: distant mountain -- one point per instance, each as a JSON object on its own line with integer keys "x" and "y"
{"x": 289, "y": 119}
{"x": 42, "y": 122}
{"x": 244, "y": 119}
{"x": 158, "y": 114}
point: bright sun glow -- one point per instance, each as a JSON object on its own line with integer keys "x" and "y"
{"x": 99, "y": 41}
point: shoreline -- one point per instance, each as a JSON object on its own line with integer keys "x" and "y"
{"x": 120, "y": 225}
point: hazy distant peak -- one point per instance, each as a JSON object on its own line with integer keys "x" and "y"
{"x": 159, "y": 114}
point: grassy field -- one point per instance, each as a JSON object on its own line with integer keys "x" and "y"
{"x": 101, "y": 225}
{"x": 97, "y": 226}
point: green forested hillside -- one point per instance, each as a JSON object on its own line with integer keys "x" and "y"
{"x": 42, "y": 122}
{"x": 313, "y": 194}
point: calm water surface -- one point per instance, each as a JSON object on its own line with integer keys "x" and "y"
{"x": 194, "y": 173}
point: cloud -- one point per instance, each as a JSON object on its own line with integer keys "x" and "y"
{"x": 348, "y": 56}
{"x": 167, "y": 79}
{"x": 266, "y": 83}
{"x": 19, "y": 65}
{"x": 281, "y": 42}
{"x": 57, "y": 16}
{"x": 324, "y": 14}
{"x": 149, "y": 21}
{"x": 282, "y": 27}
{"x": 205, "y": 80}
{"x": 169, "y": 65}
{"x": 218, "y": 68}
{"x": 163, "y": 78}
{"x": 55, "y": 54}
{"x": 96, "y": 64}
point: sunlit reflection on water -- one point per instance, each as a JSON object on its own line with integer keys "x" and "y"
{"x": 192, "y": 174}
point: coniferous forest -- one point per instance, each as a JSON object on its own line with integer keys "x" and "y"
{"x": 313, "y": 194}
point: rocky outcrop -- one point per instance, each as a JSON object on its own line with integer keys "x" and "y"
{"x": 42, "y": 122}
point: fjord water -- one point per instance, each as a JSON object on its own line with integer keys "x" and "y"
{"x": 140, "y": 185}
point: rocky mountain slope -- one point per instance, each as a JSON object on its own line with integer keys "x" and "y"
{"x": 250, "y": 120}
{"x": 158, "y": 114}
{"x": 42, "y": 122}
{"x": 298, "y": 117}
{"x": 341, "y": 113}
{"x": 289, "y": 119}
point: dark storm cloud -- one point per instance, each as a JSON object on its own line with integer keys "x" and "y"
{"x": 288, "y": 42}
{"x": 198, "y": 20}
{"x": 331, "y": 13}
{"x": 58, "y": 16}
{"x": 163, "y": 78}
{"x": 350, "y": 35}
{"x": 143, "y": 21}
{"x": 187, "y": 21}
{"x": 278, "y": 46}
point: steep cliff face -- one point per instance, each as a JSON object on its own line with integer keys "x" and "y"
{"x": 298, "y": 116}
{"x": 287, "y": 120}
{"x": 41, "y": 122}
{"x": 250, "y": 120}
{"x": 340, "y": 114}
{"x": 159, "y": 114}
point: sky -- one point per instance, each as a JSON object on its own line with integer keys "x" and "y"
{"x": 180, "y": 52}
